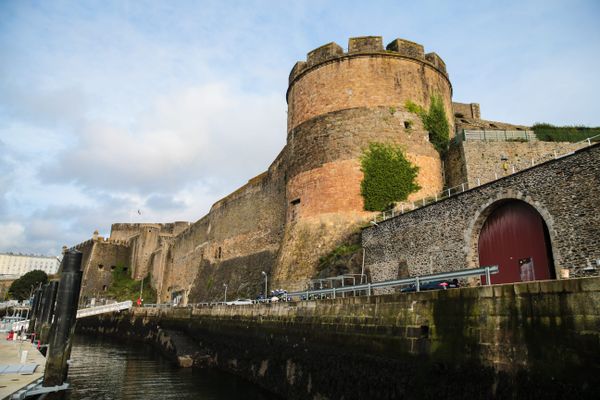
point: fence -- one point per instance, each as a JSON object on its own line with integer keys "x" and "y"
{"x": 511, "y": 169}
{"x": 497, "y": 135}
{"x": 416, "y": 281}
{"x": 87, "y": 312}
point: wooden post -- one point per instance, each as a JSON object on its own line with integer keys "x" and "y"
{"x": 61, "y": 332}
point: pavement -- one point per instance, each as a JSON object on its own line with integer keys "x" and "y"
{"x": 15, "y": 375}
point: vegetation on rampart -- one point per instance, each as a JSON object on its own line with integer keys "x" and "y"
{"x": 388, "y": 176}
{"x": 435, "y": 121}
{"x": 123, "y": 287}
{"x": 550, "y": 133}
{"x": 346, "y": 258}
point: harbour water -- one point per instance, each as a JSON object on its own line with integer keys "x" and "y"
{"x": 104, "y": 369}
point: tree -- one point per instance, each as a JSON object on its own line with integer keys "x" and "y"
{"x": 21, "y": 288}
{"x": 388, "y": 176}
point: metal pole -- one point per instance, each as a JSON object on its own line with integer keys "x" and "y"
{"x": 225, "y": 285}
{"x": 141, "y": 289}
{"x": 417, "y": 284}
{"x": 368, "y": 289}
{"x": 487, "y": 276}
{"x": 266, "y": 283}
{"x": 362, "y": 270}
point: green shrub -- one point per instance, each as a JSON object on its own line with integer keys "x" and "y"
{"x": 123, "y": 287}
{"x": 551, "y": 133}
{"x": 435, "y": 122}
{"x": 388, "y": 176}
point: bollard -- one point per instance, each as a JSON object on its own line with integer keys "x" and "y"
{"x": 48, "y": 310}
{"x": 44, "y": 321}
{"x": 42, "y": 304}
{"x": 24, "y": 356}
{"x": 61, "y": 332}
{"x": 37, "y": 293}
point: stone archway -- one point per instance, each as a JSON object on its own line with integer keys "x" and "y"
{"x": 515, "y": 237}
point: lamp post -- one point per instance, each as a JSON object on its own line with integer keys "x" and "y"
{"x": 225, "y": 286}
{"x": 266, "y": 281}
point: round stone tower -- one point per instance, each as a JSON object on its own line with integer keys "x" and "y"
{"x": 338, "y": 103}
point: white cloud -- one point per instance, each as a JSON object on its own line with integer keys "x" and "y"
{"x": 209, "y": 131}
{"x": 13, "y": 235}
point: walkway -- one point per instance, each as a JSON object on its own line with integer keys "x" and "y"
{"x": 15, "y": 375}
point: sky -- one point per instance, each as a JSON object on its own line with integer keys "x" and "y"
{"x": 150, "y": 111}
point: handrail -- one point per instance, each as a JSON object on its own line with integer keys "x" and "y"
{"x": 487, "y": 271}
{"x": 86, "y": 312}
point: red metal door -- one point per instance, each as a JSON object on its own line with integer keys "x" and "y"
{"x": 514, "y": 237}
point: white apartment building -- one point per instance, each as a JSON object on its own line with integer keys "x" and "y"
{"x": 20, "y": 264}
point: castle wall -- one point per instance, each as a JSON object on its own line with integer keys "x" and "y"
{"x": 100, "y": 258}
{"x": 238, "y": 239}
{"x": 365, "y": 81}
{"x": 466, "y": 110}
{"x": 339, "y": 103}
{"x": 477, "y": 162}
{"x": 444, "y": 236}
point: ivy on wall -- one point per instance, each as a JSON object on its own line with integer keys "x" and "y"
{"x": 388, "y": 176}
{"x": 435, "y": 121}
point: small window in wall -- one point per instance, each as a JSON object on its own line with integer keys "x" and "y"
{"x": 124, "y": 269}
{"x": 100, "y": 266}
{"x": 104, "y": 288}
{"x": 112, "y": 267}
{"x": 294, "y": 210}
{"x": 408, "y": 124}
{"x": 218, "y": 253}
{"x": 402, "y": 270}
{"x": 493, "y": 126}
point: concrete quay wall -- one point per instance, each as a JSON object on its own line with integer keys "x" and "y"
{"x": 505, "y": 341}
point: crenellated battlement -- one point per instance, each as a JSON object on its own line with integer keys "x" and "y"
{"x": 367, "y": 45}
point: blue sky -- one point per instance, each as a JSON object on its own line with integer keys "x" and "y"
{"x": 107, "y": 108}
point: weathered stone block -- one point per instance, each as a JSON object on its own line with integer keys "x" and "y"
{"x": 407, "y": 48}
{"x": 365, "y": 44}
{"x": 324, "y": 53}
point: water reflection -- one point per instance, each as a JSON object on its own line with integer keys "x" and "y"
{"x": 102, "y": 369}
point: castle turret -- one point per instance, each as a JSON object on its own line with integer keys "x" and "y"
{"x": 338, "y": 103}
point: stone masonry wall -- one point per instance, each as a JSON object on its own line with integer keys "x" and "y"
{"x": 487, "y": 160}
{"x": 100, "y": 258}
{"x": 238, "y": 239}
{"x": 444, "y": 236}
{"x": 365, "y": 81}
{"x": 527, "y": 340}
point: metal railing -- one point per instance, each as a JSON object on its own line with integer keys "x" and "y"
{"x": 417, "y": 281}
{"x": 497, "y": 135}
{"x": 511, "y": 168}
{"x": 114, "y": 307}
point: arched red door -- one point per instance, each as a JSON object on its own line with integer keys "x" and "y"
{"x": 515, "y": 238}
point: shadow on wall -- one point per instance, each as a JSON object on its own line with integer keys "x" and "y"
{"x": 241, "y": 274}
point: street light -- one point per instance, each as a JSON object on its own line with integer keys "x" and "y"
{"x": 225, "y": 286}
{"x": 266, "y": 280}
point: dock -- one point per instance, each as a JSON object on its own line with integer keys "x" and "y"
{"x": 16, "y": 376}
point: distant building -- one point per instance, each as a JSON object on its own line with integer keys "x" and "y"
{"x": 20, "y": 264}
